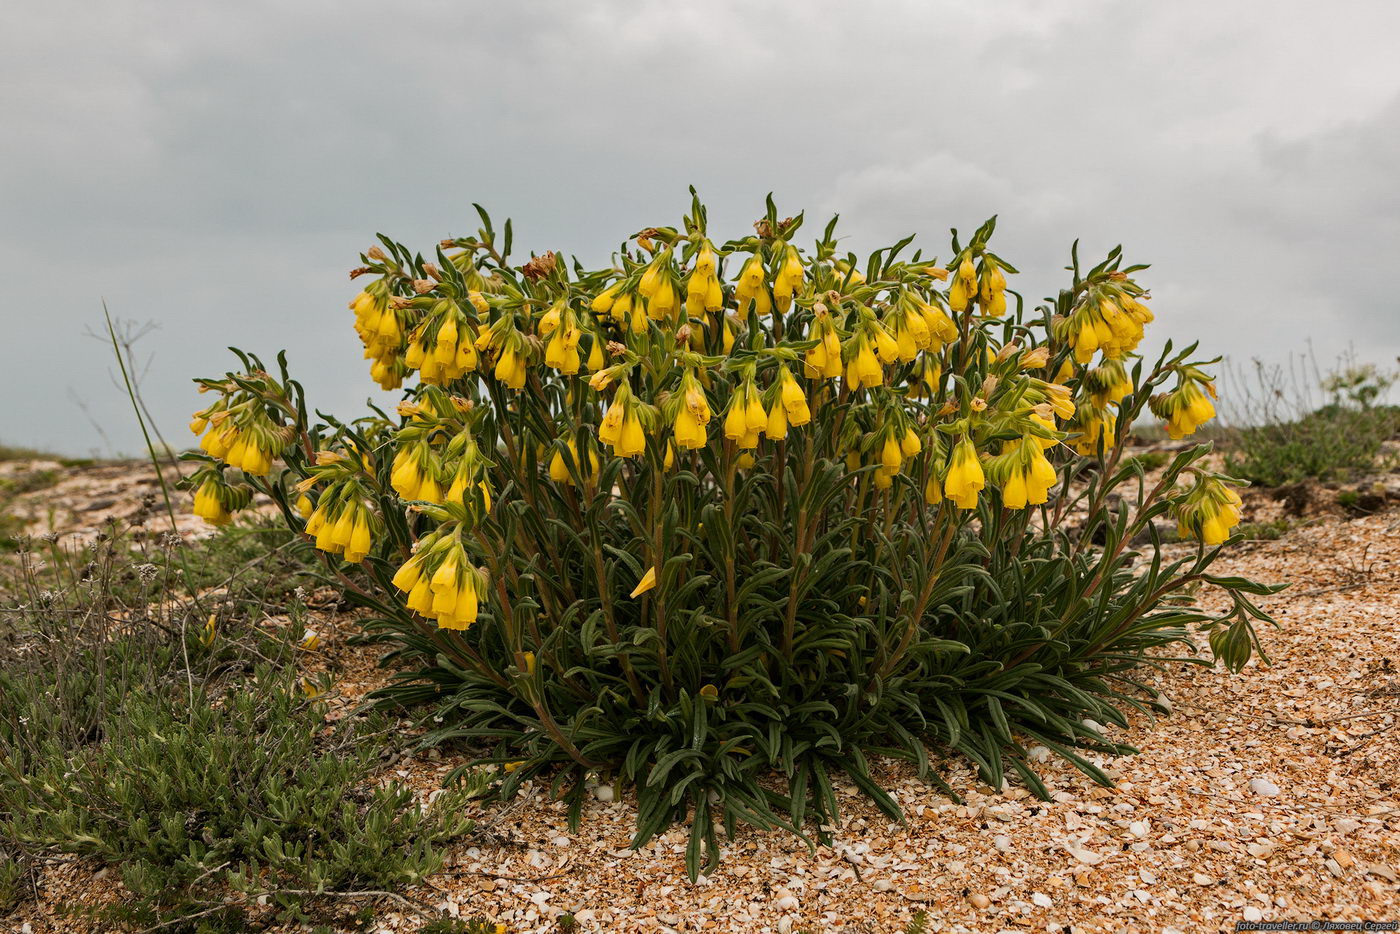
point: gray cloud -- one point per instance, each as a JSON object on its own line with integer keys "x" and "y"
{"x": 217, "y": 167}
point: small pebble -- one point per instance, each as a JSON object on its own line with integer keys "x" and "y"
{"x": 1263, "y": 787}
{"x": 979, "y": 900}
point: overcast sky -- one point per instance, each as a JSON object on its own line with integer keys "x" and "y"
{"x": 217, "y": 167}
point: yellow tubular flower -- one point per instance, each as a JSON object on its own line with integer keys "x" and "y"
{"x": 360, "y": 539}
{"x": 633, "y": 439}
{"x": 965, "y": 476}
{"x": 559, "y": 468}
{"x": 864, "y": 367}
{"x": 603, "y": 302}
{"x": 1042, "y": 477}
{"x": 648, "y": 582}
{"x": 891, "y": 455}
{"x": 794, "y": 400}
{"x": 688, "y": 431}
{"x": 777, "y": 424}
{"x": 208, "y": 505}
{"x": 510, "y": 369}
{"x": 406, "y": 577}
{"x": 1209, "y": 512}
{"x": 610, "y": 430}
{"x": 886, "y": 347}
{"x": 596, "y": 359}
{"x": 1095, "y": 425}
{"x": 736, "y": 423}
{"x": 752, "y": 286}
{"x": 703, "y": 291}
{"x": 562, "y": 351}
{"x": 933, "y": 490}
{"x": 1013, "y": 491}
{"x": 788, "y": 279}
{"x": 1187, "y": 407}
{"x": 755, "y": 415}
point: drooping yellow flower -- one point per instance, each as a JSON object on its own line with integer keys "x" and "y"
{"x": 1209, "y": 512}
{"x": 964, "y": 285}
{"x": 561, "y": 352}
{"x": 603, "y": 302}
{"x": 793, "y": 399}
{"x": 559, "y": 468}
{"x": 703, "y": 292}
{"x": 863, "y": 368}
{"x": 752, "y": 287}
{"x": 991, "y": 291}
{"x": 510, "y": 368}
{"x": 1096, "y": 425}
{"x": 965, "y": 475}
{"x": 1187, "y": 407}
{"x": 688, "y": 430}
{"x": 209, "y": 505}
{"x": 788, "y": 279}
{"x": 777, "y": 425}
{"x": 933, "y": 490}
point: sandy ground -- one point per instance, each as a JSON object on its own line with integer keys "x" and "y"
{"x": 1270, "y": 795}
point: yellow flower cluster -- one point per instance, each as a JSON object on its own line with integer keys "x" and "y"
{"x": 1209, "y": 511}
{"x": 1108, "y": 318}
{"x": 342, "y": 528}
{"x": 1024, "y": 473}
{"x": 215, "y": 501}
{"x": 377, "y": 322}
{"x": 239, "y": 434}
{"x": 965, "y": 478}
{"x": 621, "y": 428}
{"x": 441, "y": 348}
{"x": 340, "y": 521}
{"x": 425, "y": 471}
{"x": 441, "y": 582}
{"x": 983, "y": 281}
{"x": 1188, "y": 406}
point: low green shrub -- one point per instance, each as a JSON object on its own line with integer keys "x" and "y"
{"x": 1333, "y": 443}
{"x": 243, "y": 794}
{"x": 178, "y": 742}
{"x": 1283, "y": 436}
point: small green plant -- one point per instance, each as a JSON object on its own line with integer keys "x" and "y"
{"x": 1284, "y": 436}
{"x": 1268, "y": 531}
{"x": 182, "y": 744}
{"x": 13, "y": 881}
{"x": 1148, "y": 460}
{"x": 242, "y": 792}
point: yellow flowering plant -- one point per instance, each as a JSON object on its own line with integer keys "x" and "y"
{"x": 720, "y": 510}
